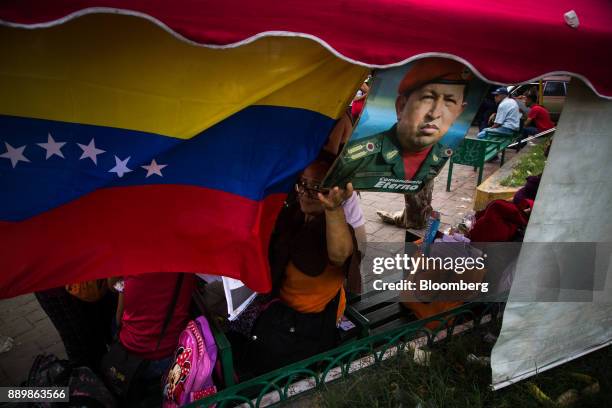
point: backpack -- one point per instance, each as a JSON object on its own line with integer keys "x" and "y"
{"x": 189, "y": 377}
{"x": 85, "y": 388}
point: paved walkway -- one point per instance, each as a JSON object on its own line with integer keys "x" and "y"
{"x": 453, "y": 205}
{"x": 23, "y": 319}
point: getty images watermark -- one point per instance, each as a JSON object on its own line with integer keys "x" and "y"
{"x": 461, "y": 271}
{"x": 435, "y": 268}
{"x": 444, "y": 271}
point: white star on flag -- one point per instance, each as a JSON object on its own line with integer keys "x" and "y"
{"x": 154, "y": 168}
{"x": 14, "y": 154}
{"x": 90, "y": 151}
{"x": 120, "y": 166}
{"x": 52, "y": 147}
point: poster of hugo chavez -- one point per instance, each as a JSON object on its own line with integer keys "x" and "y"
{"x": 414, "y": 117}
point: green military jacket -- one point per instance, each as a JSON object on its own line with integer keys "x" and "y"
{"x": 375, "y": 164}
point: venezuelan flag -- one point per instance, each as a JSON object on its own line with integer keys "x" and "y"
{"x": 124, "y": 150}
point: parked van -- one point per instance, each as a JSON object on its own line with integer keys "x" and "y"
{"x": 555, "y": 91}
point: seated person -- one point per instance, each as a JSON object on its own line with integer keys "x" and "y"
{"x": 521, "y": 100}
{"x": 312, "y": 250}
{"x": 486, "y": 110}
{"x": 538, "y": 119}
{"x": 529, "y": 190}
{"x": 508, "y": 117}
{"x": 340, "y": 134}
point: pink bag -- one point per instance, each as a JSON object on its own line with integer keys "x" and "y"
{"x": 189, "y": 377}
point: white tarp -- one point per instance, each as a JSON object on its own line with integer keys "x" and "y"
{"x": 574, "y": 204}
{"x": 236, "y": 295}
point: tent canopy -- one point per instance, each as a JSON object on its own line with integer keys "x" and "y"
{"x": 507, "y": 42}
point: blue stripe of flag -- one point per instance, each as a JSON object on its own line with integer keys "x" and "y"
{"x": 256, "y": 152}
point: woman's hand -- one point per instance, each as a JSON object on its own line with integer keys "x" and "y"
{"x": 336, "y": 197}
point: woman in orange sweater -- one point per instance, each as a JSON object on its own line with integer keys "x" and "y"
{"x": 310, "y": 255}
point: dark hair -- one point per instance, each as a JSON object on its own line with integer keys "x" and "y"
{"x": 325, "y": 157}
{"x": 532, "y": 96}
{"x": 322, "y": 163}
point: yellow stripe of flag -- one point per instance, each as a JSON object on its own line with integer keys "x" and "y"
{"x": 126, "y": 72}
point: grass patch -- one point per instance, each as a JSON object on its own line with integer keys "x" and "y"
{"x": 451, "y": 381}
{"x": 529, "y": 165}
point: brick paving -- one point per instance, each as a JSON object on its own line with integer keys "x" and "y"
{"x": 23, "y": 319}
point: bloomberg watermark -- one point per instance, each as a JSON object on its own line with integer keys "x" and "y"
{"x": 460, "y": 271}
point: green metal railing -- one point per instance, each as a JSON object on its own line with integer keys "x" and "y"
{"x": 341, "y": 361}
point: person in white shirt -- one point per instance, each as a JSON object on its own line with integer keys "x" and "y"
{"x": 508, "y": 118}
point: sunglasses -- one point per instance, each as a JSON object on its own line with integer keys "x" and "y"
{"x": 311, "y": 190}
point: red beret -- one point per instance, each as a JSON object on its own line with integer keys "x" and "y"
{"x": 434, "y": 70}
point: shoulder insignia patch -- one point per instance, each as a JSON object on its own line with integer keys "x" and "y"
{"x": 357, "y": 155}
{"x": 362, "y": 149}
{"x": 354, "y": 149}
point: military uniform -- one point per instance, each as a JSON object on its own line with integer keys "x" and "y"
{"x": 375, "y": 164}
